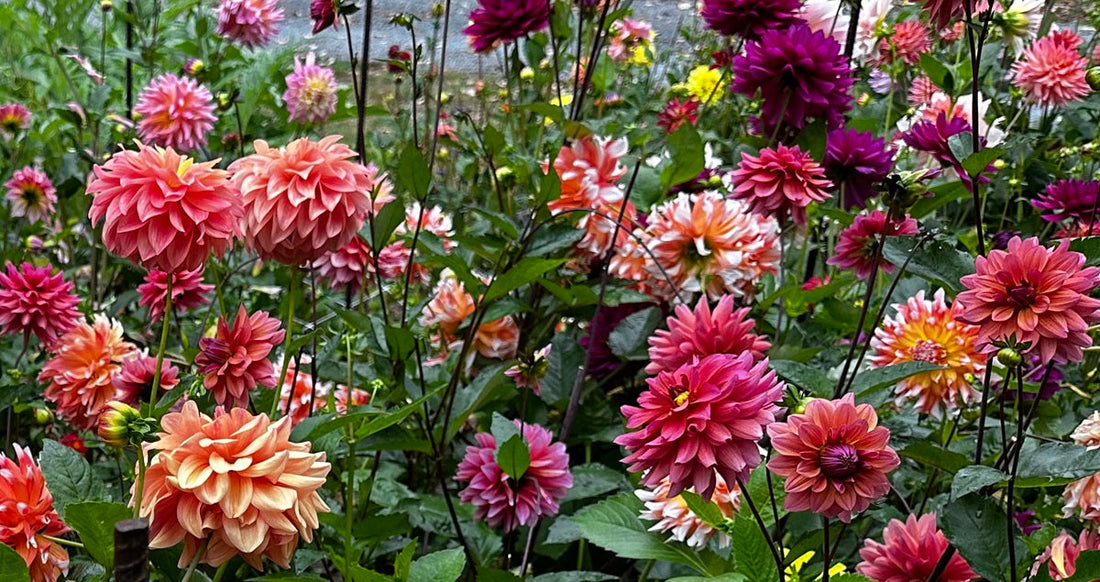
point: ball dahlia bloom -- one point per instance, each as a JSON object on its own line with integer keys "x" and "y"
{"x": 701, "y": 332}
{"x": 910, "y": 550}
{"x": 27, "y": 515}
{"x": 35, "y": 300}
{"x": 80, "y": 371}
{"x": 175, "y": 113}
{"x": 924, "y": 330}
{"x": 506, "y": 502}
{"x": 1051, "y": 72}
{"x": 1037, "y": 295}
{"x": 235, "y": 361}
{"x": 1062, "y": 553}
{"x": 854, "y": 162}
{"x": 834, "y": 457}
{"x": 235, "y": 482}
{"x": 672, "y": 514}
{"x": 31, "y": 194}
{"x": 347, "y": 266}
{"x": 302, "y": 200}
{"x": 134, "y": 380}
{"x": 495, "y": 22}
{"x": 310, "y": 94}
{"x": 250, "y": 23}
{"x": 749, "y": 19}
{"x": 1068, "y": 199}
{"x": 855, "y": 248}
{"x": 700, "y": 422}
{"x": 188, "y": 291}
{"x": 162, "y": 210}
{"x": 780, "y": 181}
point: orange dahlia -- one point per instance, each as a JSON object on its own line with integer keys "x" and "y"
{"x": 235, "y": 482}
{"x": 449, "y": 307}
{"x": 27, "y": 515}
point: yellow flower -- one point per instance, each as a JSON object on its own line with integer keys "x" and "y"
{"x": 794, "y": 570}
{"x": 704, "y": 83}
{"x": 565, "y": 101}
{"x": 640, "y": 55}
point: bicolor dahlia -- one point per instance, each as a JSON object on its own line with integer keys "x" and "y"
{"x": 497, "y": 339}
{"x": 677, "y": 113}
{"x": 907, "y": 42}
{"x": 175, "y": 113}
{"x": 433, "y": 220}
{"x": 701, "y": 332}
{"x": 1069, "y": 199}
{"x": 780, "y": 181}
{"x": 855, "y": 248}
{"x": 323, "y": 14}
{"x": 347, "y": 266}
{"x": 927, "y": 331}
{"x": 834, "y": 457}
{"x": 529, "y": 371}
{"x": 854, "y": 162}
{"x": 310, "y": 94}
{"x": 164, "y": 211}
{"x": 302, "y": 200}
{"x": 749, "y": 19}
{"x": 589, "y": 169}
{"x": 31, "y": 194}
{"x": 188, "y": 291}
{"x": 800, "y": 75}
{"x": 234, "y": 483}
{"x": 1083, "y": 497}
{"x": 602, "y": 233}
{"x": 495, "y": 22}
{"x": 1062, "y": 553}
{"x": 235, "y": 361}
{"x": 1037, "y": 295}
{"x": 1051, "y": 72}
{"x": 27, "y": 516}
{"x": 80, "y": 371}
{"x": 134, "y": 380}
{"x": 506, "y": 502}
{"x": 911, "y": 551}
{"x": 700, "y": 421}
{"x": 14, "y": 117}
{"x": 250, "y": 23}
{"x": 672, "y": 514}
{"x": 298, "y": 393}
{"x": 36, "y": 300}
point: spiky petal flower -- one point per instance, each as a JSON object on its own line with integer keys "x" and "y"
{"x": 302, "y": 200}
{"x": 854, "y": 162}
{"x": 1051, "y": 72}
{"x": 589, "y": 169}
{"x": 506, "y": 502}
{"x": 36, "y": 300}
{"x": 27, "y": 515}
{"x": 1037, "y": 295}
{"x": 79, "y": 374}
{"x": 175, "y": 113}
{"x": 235, "y": 483}
{"x": 749, "y": 19}
{"x": 164, "y": 211}
{"x": 235, "y": 361}
{"x": 14, "y": 117}
{"x": 911, "y": 551}
{"x": 672, "y": 514}
{"x": 701, "y": 332}
{"x": 677, "y": 113}
{"x": 346, "y": 266}
{"x": 1068, "y": 199}
{"x": 310, "y": 94}
{"x": 134, "y": 380}
{"x": 834, "y": 456}
{"x": 700, "y": 421}
{"x": 188, "y": 291}
{"x": 1062, "y": 553}
{"x": 855, "y": 248}
{"x": 495, "y": 22}
{"x": 250, "y": 23}
{"x": 907, "y": 41}
{"x": 780, "y": 181}
{"x": 31, "y": 194}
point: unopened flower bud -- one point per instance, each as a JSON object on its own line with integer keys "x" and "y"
{"x": 1092, "y": 77}
{"x": 1009, "y": 357}
{"x": 526, "y": 73}
{"x": 505, "y": 176}
{"x": 224, "y": 100}
{"x": 115, "y": 423}
{"x": 106, "y": 5}
{"x": 438, "y": 10}
{"x": 42, "y": 416}
{"x": 999, "y": 165}
{"x": 193, "y": 66}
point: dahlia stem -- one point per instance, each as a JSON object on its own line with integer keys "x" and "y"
{"x": 763, "y": 530}
{"x": 1010, "y": 531}
{"x": 163, "y": 341}
{"x": 825, "y": 549}
{"x": 62, "y": 542}
{"x": 139, "y": 486}
{"x": 195, "y": 561}
{"x": 875, "y": 260}
{"x": 984, "y": 411}
{"x": 289, "y": 323}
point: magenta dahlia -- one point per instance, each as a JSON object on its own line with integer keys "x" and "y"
{"x": 494, "y": 22}
{"x": 749, "y": 18}
{"x": 701, "y": 332}
{"x": 855, "y": 161}
{"x": 855, "y": 248}
{"x": 188, "y": 291}
{"x": 1075, "y": 199}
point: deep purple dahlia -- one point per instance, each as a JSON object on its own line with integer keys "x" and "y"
{"x": 1069, "y": 199}
{"x": 749, "y": 18}
{"x": 604, "y": 361}
{"x": 498, "y": 21}
{"x": 855, "y": 161}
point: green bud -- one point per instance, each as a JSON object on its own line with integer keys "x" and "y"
{"x": 1092, "y": 77}
{"x": 1009, "y": 357}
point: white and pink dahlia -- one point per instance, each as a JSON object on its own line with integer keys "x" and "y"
{"x": 175, "y": 113}
{"x": 672, "y": 514}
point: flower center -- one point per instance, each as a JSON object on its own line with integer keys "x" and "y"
{"x": 680, "y": 394}
{"x": 927, "y": 351}
{"x": 31, "y": 195}
{"x": 1023, "y": 295}
{"x": 839, "y": 461}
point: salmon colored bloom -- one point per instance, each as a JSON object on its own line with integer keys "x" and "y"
{"x": 1083, "y": 495}
{"x": 310, "y": 94}
{"x": 1051, "y": 72}
{"x": 235, "y": 482}
{"x": 164, "y": 211}
{"x": 907, "y": 42}
{"x": 701, "y": 332}
{"x": 80, "y": 371}
{"x": 31, "y": 194}
{"x": 347, "y": 266}
{"x": 911, "y": 551}
{"x": 1062, "y": 553}
{"x": 188, "y": 291}
{"x": 175, "y": 113}
{"x": 497, "y": 339}
{"x": 589, "y": 169}
{"x": 433, "y": 220}
{"x": 927, "y": 331}
{"x": 602, "y": 233}
{"x": 780, "y": 181}
{"x": 855, "y": 248}
{"x": 235, "y": 361}
{"x": 834, "y": 456}
{"x": 36, "y": 300}
{"x": 27, "y": 515}
{"x": 251, "y": 23}
{"x": 298, "y": 394}
{"x": 701, "y": 421}
{"x": 302, "y": 200}
{"x": 449, "y": 306}
{"x": 134, "y": 380}
{"x": 673, "y": 515}
{"x": 1038, "y": 296}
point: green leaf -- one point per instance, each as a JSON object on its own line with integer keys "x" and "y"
{"x": 937, "y": 72}
{"x": 728, "y": 577}
{"x": 871, "y": 381}
{"x": 686, "y": 149}
{"x": 504, "y": 225}
{"x": 514, "y": 457}
{"x": 1051, "y": 464}
{"x": 973, "y": 478}
{"x": 708, "y": 511}
{"x": 804, "y": 376}
{"x": 527, "y": 270}
{"x": 812, "y": 139}
{"x": 1088, "y": 246}
{"x": 562, "y": 366}
{"x": 403, "y": 562}
{"x": 69, "y": 477}
{"x": 975, "y": 164}
{"x": 932, "y": 455}
{"x": 385, "y": 222}
{"x": 976, "y": 527}
{"x": 936, "y": 261}
{"x": 503, "y": 429}
{"x": 12, "y": 566}
{"x": 630, "y": 339}
{"x": 412, "y": 172}
{"x": 441, "y": 566}
{"x": 576, "y": 576}
{"x": 94, "y": 522}
{"x": 594, "y": 479}
{"x": 750, "y": 551}
{"x": 400, "y": 341}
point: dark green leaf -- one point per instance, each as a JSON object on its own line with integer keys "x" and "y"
{"x": 575, "y": 576}
{"x": 976, "y": 527}
{"x": 975, "y": 164}
{"x": 875, "y": 379}
{"x": 973, "y": 478}
{"x": 686, "y": 149}
{"x": 563, "y": 364}
{"x": 527, "y": 270}
{"x": 750, "y": 550}
{"x": 931, "y": 455}
{"x": 594, "y": 479}
{"x": 12, "y": 566}
{"x": 812, "y": 139}
{"x": 385, "y": 222}
{"x": 400, "y": 342}
{"x": 1055, "y": 464}
{"x": 504, "y": 225}
{"x": 937, "y": 72}
{"x": 69, "y": 477}
{"x": 708, "y": 511}
{"x": 503, "y": 429}
{"x": 806, "y": 377}
{"x": 94, "y": 522}
{"x": 412, "y": 172}
{"x": 441, "y": 566}
{"x": 727, "y": 577}
{"x": 1088, "y": 246}
{"x": 514, "y": 457}
{"x": 630, "y": 339}
{"x": 936, "y": 261}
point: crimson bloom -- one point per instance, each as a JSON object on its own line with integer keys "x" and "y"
{"x": 910, "y": 551}
{"x": 323, "y": 14}
{"x": 780, "y": 181}
{"x": 855, "y": 248}
{"x": 749, "y": 18}
{"x": 175, "y": 113}
{"x": 494, "y": 22}
{"x": 235, "y": 361}
{"x": 701, "y": 332}
{"x": 188, "y": 291}
{"x": 36, "y": 300}
{"x": 14, "y": 117}
{"x": 677, "y": 113}
{"x": 27, "y": 516}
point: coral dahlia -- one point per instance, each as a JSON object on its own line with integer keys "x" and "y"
{"x": 749, "y": 19}
{"x": 1087, "y": 434}
{"x": 235, "y": 361}
{"x": 780, "y": 181}
{"x": 906, "y": 43}
{"x": 589, "y": 169}
{"x": 495, "y": 22}
{"x": 310, "y": 94}
{"x": 31, "y": 194}
{"x": 134, "y": 380}
{"x": 1051, "y": 72}
{"x": 175, "y": 113}
{"x": 701, "y": 332}
{"x": 188, "y": 291}
{"x": 855, "y": 248}
{"x": 27, "y": 516}
{"x": 347, "y": 266}
{"x": 911, "y": 551}
{"x": 672, "y": 514}
{"x": 36, "y": 300}
{"x": 251, "y": 23}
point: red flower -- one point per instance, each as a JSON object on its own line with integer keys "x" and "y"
{"x": 910, "y": 551}
{"x": 855, "y": 248}
{"x": 27, "y": 516}
{"x": 780, "y": 181}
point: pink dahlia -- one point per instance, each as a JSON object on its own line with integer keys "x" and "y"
{"x": 630, "y": 36}
{"x": 780, "y": 181}
{"x": 36, "y": 300}
{"x": 855, "y": 248}
{"x": 1062, "y": 553}
{"x": 323, "y": 14}
{"x": 1051, "y": 72}
{"x": 347, "y": 266}
{"x": 1038, "y": 296}
{"x": 31, "y": 194}
{"x": 495, "y": 22}
{"x": 1068, "y": 199}
{"x": 310, "y": 94}
{"x": 701, "y": 421}
{"x": 507, "y": 502}
{"x": 175, "y": 113}
{"x": 702, "y": 332}
{"x": 749, "y": 19}
{"x": 164, "y": 211}
{"x": 672, "y": 514}
{"x": 28, "y": 519}
{"x": 14, "y": 117}
{"x": 303, "y": 200}
{"x": 235, "y": 361}
{"x": 911, "y": 551}
{"x": 906, "y": 43}
{"x": 252, "y": 23}
{"x": 188, "y": 291}
{"x": 134, "y": 380}
{"x": 834, "y": 457}
{"x": 921, "y": 91}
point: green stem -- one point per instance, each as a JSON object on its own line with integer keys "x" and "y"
{"x": 221, "y": 572}
{"x": 140, "y": 486}
{"x": 289, "y": 323}
{"x": 349, "y": 501}
{"x": 62, "y": 542}
{"x": 163, "y": 342}
{"x": 195, "y": 561}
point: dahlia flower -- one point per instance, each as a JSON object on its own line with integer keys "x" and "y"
{"x": 497, "y": 339}
{"x": 323, "y": 14}
{"x": 780, "y": 181}
{"x": 921, "y": 91}
{"x": 36, "y": 300}
{"x": 906, "y": 43}
{"x": 927, "y": 331}
{"x": 834, "y": 457}
{"x": 677, "y": 113}
{"x": 854, "y": 162}
{"x": 31, "y": 194}
{"x": 495, "y": 22}
{"x": 749, "y": 19}
{"x": 79, "y": 374}
{"x": 673, "y": 515}
{"x": 1038, "y": 296}
{"x": 234, "y": 483}
{"x": 529, "y": 371}
{"x": 449, "y": 307}
{"x": 702, "y": 332}
{"x": 932, "y": 137}
{"x": 503, "y": 501}
{"x": 700, "y": 422}
{"x": 188, "y": 291}
{"x": 1062, "y": 553}
{"x": 251, "y": 23}
{"x": 433, "y": 220}
{"x": 234, "y": 361}
{"x": 1087, "y": 434}
{"x": 310, "y": 94}
{"x": 602, "y": 233}
{"x": 298, "y": 394}
{"x": 302, "y": 200}
{"x": 855, "y": 248}
{"x": 630, "y": 41}
{"x": 1082, "y": 497}
{"x": 347, "y": 266}
{"x": 910, "y": 551}
{"x": 1072, "y": 199}
{"x": 175, "y": 113}
{"x": 14, "y": 118}
{"x": 589, "y": 169}
{"x": 704, "y": 85}
{"x": 164, "y": 211}
{"x": 134, "y": 380}
{"x": 940, "y": 12}
{"x": 27, "y": 516}
{"x": 1051, "y": 72}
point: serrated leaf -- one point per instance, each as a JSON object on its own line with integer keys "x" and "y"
{"x": 594, "y": 479}
{"x": 973, "y": 478}
{"x": 630, "y": 339}
{"x": 870, "y": 381}
{"x": 750, "y": 551}
{"x": 441, "y": 566}
{"x": 514, "y": 457}
{"x": 976, "y": 527}
{"x": 69, "y": 477}
{"x": 94, "y": 522}
{"x": 12, "y": 566}
{"x": 804, "y": 376}
{"x": 412, "y": 172}
{"x": 685, "y": 147}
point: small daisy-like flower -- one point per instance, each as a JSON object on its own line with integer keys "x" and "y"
{"x": 1051, "y": 72}
{"x": 701, "y": 332}
{"x": 1068, "y": 199}
{"x": 310, "y": 94}
{"x": 855, "y": 248}
{"x": 235, "y": 361}
{"x": 34, "y": 300}
{"x": 911, "y": 550}
{"x": 250, "y": 23}
{"x": 14, "y": 117}
{"x": 495, "y": 22}
{"x": 28, "y": 519}
{"x": 175, "y": 113}
{"x": 749, "y": 18}
{"x": 673, "y": 515}
{"x": 780, "y": 181}
{"x": 677, "y": 113}
{"x": 188, "y": 291}
{"x": 31, "y": 194}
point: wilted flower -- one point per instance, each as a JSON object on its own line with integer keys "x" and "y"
{"x": 749, "y": 18}
{"x": 673, "y": 515}
{"x": 175, "y": 113}
{"x": 701, "y": 332}
{"x": 188, "y": 291}
{"x": 495, "y": 22}
{"x": 27, "y": 516}
{"x": 310, "y": 94}
{"x": 855, "y": 248}
{"x": 1087, "y": 434}
{"x": 36, "y": 300}
{"x": 854, "y": 162}
{"x": 1068, "y": 199}
{"x": 31, "y": 194}
{"x": 234, "y": 361}
{"x": 911, "y": 551}
{"x": 1051, "y": 72}
{"x": 252, "y": 23}
{"x": 780, "y": 181}
{"x": 527, "y": 372}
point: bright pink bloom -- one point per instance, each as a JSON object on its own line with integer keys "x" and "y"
{"x": 910, "y": 551}
{"x": 252, "y": 23}
{"x": 175, "y": 113}
{"x": 629, "y": 36}
{"x": 235, "y": 361}
{"x": 346, "y": 266}
{"x": 14, "y": 117}
{"x": 702, "y": 332}
{"x": 188, "y": 291}
{"x": 1051, "y": 72}
{"x": 908, "y": 41}
{"x": 310, "y": 94}
{"x": 27, "y": 515}
{"x": 31, "y": 194}
{"x": 780, "y": 181}
{"x": 855, "y": 249}
{"x": 35, "y": 300}
{"x": 1075, "y": 199}
{"x": 134, "y": 380}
